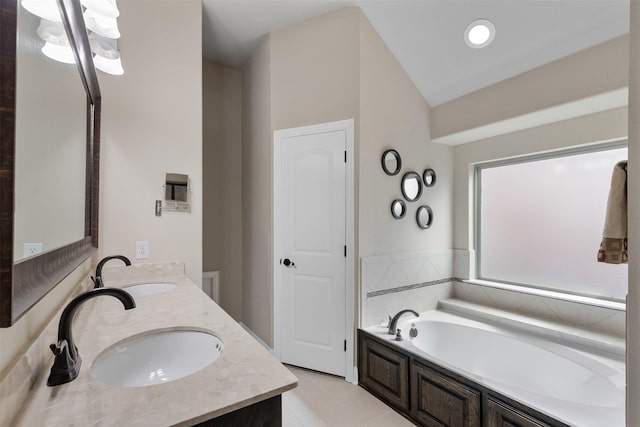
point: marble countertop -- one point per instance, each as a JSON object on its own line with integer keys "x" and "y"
{"x": 245, "y": 372}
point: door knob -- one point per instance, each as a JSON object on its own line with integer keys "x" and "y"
{"x": 287, "y": 262}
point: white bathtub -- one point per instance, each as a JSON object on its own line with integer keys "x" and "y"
{"x": 577, "y": 387}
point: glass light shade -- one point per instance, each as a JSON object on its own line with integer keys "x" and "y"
{"x": 46, "y": 9}
{"x": 104, "y": 47}
{"x": 59, "y": 53}
{"x": 109, "y": 66}
{"x": 52, "y": 32}
{"x": 104, "y": 25}
{"x": 103, "y": 7}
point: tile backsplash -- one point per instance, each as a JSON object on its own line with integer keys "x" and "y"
{"x": 419, "y": 280}
{"x": 588, "y": 317}
{"x": 416, "y": 280}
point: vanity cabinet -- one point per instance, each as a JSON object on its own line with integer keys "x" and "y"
{"x": 385, "y": 373}
{"x": 437, "y": 400}
{"x": 433, "y": 396}
{"x": 499, "y": 414}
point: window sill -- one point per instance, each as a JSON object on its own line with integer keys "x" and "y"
{"x": 613, "y": 305}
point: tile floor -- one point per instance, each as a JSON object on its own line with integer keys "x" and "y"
{"x": 325, "y": 400}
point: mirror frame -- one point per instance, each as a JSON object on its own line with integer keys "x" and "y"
{"x": 395, "y": 154}
{"x": 429, "y": 211}
{"x": 24, "y": 283}
{"x": 404, "y": 208}
{"x": 425, "y": 174}
{"x": 417, "y": 177}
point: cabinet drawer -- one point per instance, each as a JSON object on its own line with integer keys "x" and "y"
{"x": 499, "y": 414}
{"x": 439, "y": 401}
{"x": 385, "y": 373}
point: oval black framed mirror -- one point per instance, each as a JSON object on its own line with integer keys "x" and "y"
{"x": 24, "y": 282}
{"x": 424, "y": 217}
{"x": 429, "y": 177}
{"x": 398, "y": 209}
{"x": 391, "y": 162}
{"x": 411, "y": 186}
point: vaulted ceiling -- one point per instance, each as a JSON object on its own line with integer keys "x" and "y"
{"x": 426, "y": 36}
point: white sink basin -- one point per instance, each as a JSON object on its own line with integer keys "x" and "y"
{"x": 149, "y": 288}
{"x": 156, "y": 357}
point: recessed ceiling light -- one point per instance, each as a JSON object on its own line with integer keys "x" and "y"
{"x": 479, "y": 33}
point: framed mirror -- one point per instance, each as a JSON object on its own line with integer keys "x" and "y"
{"x": 411, "y": 186}
{"x": 391, "y": 162}
{"x": 429, "y": 177}
{"x": 424, "y": 217}
{"x": 398, "y": 209}
{"x": 25, "y": 280}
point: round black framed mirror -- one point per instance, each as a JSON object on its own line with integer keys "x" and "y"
{"x": 429, "y": 177}
{"x": 424, "y": 217}
{"x": 411, "y": 186}
{"x": 398, "y": 209}
{"x": 391, "y": 162}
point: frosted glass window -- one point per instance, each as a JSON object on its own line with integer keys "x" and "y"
{"x": 541, "y": 221}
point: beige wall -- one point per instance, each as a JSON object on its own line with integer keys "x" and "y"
{"x": 151, "y": 125}
{"x": 332, "y": 68}
{"x": 222, "y": 181}
{"x": 633, "y": 299}
{"x": 598, "y": 127}
{"x": 593, "y": 71}
{"x": 257, "y": 210}
{"x": 314, "y": 71}
{"x": 393, "y": 114}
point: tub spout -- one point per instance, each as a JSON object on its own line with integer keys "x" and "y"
{"x": 394, "y": 321}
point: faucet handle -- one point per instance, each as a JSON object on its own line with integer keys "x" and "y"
{"x": 58, "y": 347}
{"x": 389, "y": 322}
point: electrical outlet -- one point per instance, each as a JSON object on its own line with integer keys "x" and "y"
{"x": 31, "y": 249}
{"x": 142, "y": 249}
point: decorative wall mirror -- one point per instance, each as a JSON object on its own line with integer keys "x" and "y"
{"x": 429, "y": 177}
{"x": 424, "y": 217}
{"x": 391, "y": 162}
{"x": 23, "y": 282}
{"x": 398, "y": 208}
{"x": 411, "y": 186}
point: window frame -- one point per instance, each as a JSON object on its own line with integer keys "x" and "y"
{"x": 476, "y": 272}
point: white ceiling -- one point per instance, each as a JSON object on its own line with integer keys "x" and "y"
{"x": 426, "y": 36}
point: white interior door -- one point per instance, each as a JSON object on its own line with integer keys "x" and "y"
{"x": 312, "y": 245}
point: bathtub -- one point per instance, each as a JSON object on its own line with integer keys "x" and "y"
{"x": 574, "y": 385}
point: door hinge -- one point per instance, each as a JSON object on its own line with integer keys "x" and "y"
{"x": 345, "y": 251}
{"x": 345, "y": 345}
{"x": 345, "y": 156}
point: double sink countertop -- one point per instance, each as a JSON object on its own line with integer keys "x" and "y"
{"x": 245, "y": 372}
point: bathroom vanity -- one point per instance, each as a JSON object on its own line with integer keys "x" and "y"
{"x": 243, "y": 386}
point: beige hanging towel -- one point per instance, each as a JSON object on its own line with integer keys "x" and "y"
{"x": 613, "y": 249}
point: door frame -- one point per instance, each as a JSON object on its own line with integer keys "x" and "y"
{"x": 348, "y": 127}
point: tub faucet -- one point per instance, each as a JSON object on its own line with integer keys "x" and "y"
{"x": 394, "y": 321}
{"x": 66, "y": 364}
{"x": 98, "y": 279}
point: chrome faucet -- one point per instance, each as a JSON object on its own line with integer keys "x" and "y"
{"x": 394, "y": 321}
{"x": 98, "y": 279}
{"x": 66, "y": 364}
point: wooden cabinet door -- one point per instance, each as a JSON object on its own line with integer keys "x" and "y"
{"x": 499, "y": 414}
{"x": 439, "y": 401}
{"x": 385, "y": 373}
